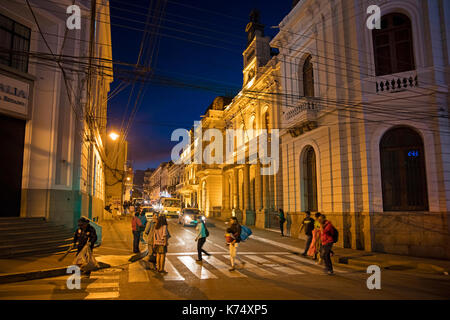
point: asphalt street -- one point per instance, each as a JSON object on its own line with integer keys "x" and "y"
{"x": 272, "y": 271}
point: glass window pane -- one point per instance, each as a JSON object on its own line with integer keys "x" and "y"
{"x": 6, "y": 23}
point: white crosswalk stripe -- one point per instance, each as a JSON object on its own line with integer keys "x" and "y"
{"x": 222, "y": 267}
{"x": 270, "y": 264}
{"x": 255, "y": 269}
{"x": 293, "y": 264}
{"x": 105, "y": 285}
{"x": 172, "y": 272}
{"x": 197, "y": 269}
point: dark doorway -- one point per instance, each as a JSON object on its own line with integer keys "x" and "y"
{"x": 12, "y": 136}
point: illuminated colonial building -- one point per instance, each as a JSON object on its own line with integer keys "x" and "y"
{"x": 53, "y": 122}
{"x": 235, "y": 186}
{"x": 365, "y": 122}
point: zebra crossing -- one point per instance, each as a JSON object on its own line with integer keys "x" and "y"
{"x": 100, "y": 285}
{"x": 182, "y": 267}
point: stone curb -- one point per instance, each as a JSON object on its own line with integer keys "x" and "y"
{"x": 32, "y": 275}
{"x": 390, "y": 265}
{"x": 39, "y": 274}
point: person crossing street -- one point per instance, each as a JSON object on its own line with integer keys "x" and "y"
{"x": 202, "y": 234}
{"x": 327, "y": 232}
{"x": 235, "y": 229}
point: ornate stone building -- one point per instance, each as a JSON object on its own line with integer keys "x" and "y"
{"x": 365, "y": 122}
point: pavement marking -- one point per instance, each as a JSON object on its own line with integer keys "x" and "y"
{"x": 173, "y": 274}
{"x": 106, "y": 277}
{"x": 222, "y": 252}
{"x": 198, "y": 270}
{"x": 103, "y": 285}
{"x": 102, "y": 295}
{"x": 278, "y": 244}
{"x": 305, "y": 260}
{"x": 295, "y": 265}
{"x": 254, "y": 268}
{"x": 136, "y": 273}
{"x": 222, "y": 267}
{"x": 276, "y": 266}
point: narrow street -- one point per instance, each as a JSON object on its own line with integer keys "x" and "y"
{"x": 271, "y": 271}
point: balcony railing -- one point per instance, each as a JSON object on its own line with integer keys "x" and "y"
{"x": 302, "y": 117}
{"x": 396, "y": 83}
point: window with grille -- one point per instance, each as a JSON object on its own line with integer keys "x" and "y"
{"x": 393, "y": 45}
{"x": 14, "y": 44}
{"x": 310, "y": 179}
{"x": 403, "y": 172}
{"x": 308, "y": 78}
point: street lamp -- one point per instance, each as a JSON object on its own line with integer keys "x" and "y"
{"x": 113, "y": 136}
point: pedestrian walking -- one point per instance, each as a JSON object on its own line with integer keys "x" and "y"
{"x": 235, "y": 230}
{"x": 315, "y": 247}
{"x": 150, "y": 233}
{"x": 143, "y": 219}
{"x": 202, "y": 234}
{"x": 308, "y": 224}
{"x": 84, "y": 233}
{"x": 282, "y": 220}
{"x": 160, "y": 242}
{"x": 327, "y": 233}
{"x": 135, "y": 227}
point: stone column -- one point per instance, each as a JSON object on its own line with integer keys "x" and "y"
{"x": 236, "y": 189}
{"x": 258, "y": 188}
{"x": 246, "y": 195}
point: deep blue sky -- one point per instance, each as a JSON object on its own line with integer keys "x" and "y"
{"x": 219, "y": 27}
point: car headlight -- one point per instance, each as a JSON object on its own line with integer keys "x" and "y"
{"x": 203, "y": 218}
{"x": 178, "y": 211}
{"x": 188, "y": 219}
{"x": 165, "y": 211}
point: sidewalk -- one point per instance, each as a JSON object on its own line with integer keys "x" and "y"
{"x": 46, "y": 266}
{"x": 356, "y": 259}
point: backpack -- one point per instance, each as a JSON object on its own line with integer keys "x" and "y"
{"x": 206, "y": 229}
{"x": 335, "y": 235}
{"x": 245, "y": 233}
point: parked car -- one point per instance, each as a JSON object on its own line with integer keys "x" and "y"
{"x": 149, "y": 211}
{"x": 190, "y": 216}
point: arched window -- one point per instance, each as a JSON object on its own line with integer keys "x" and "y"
{"x": 393, "y": 45}
{"x": 309, "y": 179}
{"x": 308, "y": 78}
{"x": 266, "y": 120}
{"x": 403, "y": 171}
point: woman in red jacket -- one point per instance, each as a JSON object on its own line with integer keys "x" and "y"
{"x": 326, "y": 237}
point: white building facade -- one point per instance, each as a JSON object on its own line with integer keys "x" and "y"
{"x": 59, "y": 119}
{"x": 365, "y": 134}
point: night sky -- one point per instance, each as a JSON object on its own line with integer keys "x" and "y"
{"x": 212, "y": 55}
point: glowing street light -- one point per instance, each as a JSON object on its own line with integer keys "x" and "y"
{"x": 113, "y": 136}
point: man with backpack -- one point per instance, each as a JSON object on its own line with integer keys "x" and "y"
{"x": 202, "y": 234}
{"x": 328, "y": 236}
{"x": 235, "y": 229}
{"x": 308, "y": 224}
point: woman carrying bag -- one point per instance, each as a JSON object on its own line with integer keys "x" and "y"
{"x": 160, "y": 242}
{"x": 150, "y": 232}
